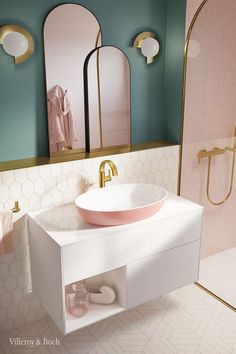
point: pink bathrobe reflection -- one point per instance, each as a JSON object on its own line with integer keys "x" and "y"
{"x": 60, "y": 121}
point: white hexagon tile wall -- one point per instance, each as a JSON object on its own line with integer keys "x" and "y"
{"x": 52, "y": 185}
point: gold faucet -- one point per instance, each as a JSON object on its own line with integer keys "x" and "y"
{"x": 102, "y": 176}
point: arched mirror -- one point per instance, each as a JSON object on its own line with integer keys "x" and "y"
{"x": 107, "y": 106}
{"x": 70, "y": 32}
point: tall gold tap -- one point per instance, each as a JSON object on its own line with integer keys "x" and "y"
{"x": 102, "y": 176}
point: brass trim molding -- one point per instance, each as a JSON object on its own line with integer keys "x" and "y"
{"x": 99, "y": 89}
{"x": 215, "y": 296}
{"x": 4, "y": 30}
{"x": 39, "y": 161}
{"x": 184, "y": 87}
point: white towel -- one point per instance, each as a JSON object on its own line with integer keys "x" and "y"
{"x": 6, "y": 233}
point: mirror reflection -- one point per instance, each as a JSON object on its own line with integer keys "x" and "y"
{"x": 70, "y": 33}
{"x": 107, "y": 87}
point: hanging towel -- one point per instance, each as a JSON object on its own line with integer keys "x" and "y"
{"x": 60, "y": 120}
{"x": 6, "y": 233}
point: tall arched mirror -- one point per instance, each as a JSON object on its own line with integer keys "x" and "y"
{"x": 70, "y": 32}
{"x": 107, "y": 108}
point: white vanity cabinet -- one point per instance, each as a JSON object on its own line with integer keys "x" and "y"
{"x": 141, "y": 261}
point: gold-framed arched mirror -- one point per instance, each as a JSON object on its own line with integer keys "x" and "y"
{"x": 71, "y": 31}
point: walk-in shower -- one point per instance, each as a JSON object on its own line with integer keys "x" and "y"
{"x": 208, "y": 171}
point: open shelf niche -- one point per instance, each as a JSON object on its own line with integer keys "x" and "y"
{"x": 114, "y": 279}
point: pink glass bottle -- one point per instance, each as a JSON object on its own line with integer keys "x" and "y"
{"x": 77, "y": 299}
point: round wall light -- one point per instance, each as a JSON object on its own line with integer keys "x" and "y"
{"x": 17, "y": 41}
{"x": 148, "y": 44}
{"x": 15, "y": 44}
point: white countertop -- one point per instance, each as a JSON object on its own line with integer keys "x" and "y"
{"x": 64, "y": 225}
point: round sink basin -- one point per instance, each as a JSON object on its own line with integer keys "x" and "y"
{"x": 120, "y": 204}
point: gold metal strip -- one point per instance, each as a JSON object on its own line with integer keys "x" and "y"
{"x": 184, "y": 88}
{"x": 215, "y": 296}
{"x": 99, "y": 90}
{"x": 99, "y": 98}
{"x": 97, "y": 38}
{"x": 38, "y": 161}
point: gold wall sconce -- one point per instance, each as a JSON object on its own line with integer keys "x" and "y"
{"x": 148, "y": 44}
{"x": 17, "y": 41}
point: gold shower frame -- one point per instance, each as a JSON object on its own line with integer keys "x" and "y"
{"x": 197, "y": 13}
{"x": 184, "y": 87}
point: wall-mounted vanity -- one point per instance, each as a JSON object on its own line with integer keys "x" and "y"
{"x": 141, "y": 260}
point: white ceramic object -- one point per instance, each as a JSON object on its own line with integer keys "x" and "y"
{"x": 105, "y": 296}
{"x": 120, "y": 204}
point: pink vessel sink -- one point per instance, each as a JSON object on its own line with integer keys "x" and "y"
{"x": 120, "y": 204}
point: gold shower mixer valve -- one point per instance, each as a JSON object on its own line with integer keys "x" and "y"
{"x": 209, "y": 153}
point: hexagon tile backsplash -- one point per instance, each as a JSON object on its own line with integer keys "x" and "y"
{"x": 52, "y": 185}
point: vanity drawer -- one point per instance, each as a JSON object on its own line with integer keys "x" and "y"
{"x": 153, "y": 276}
{"x": 119, "y": 248}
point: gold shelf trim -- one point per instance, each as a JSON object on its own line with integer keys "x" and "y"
{"x": 38, "y": 161}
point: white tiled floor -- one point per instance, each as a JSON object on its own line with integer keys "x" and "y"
{"x": 186, "y": 321}
{"x": 217, "y": 274}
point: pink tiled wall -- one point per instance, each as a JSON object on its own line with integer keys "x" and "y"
{"x": 192, "y": 7}
{"x": 210, "y": 118}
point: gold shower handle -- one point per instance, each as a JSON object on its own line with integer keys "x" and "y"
{"x": 214, "y": 152}
{"x": 209, "y": 153}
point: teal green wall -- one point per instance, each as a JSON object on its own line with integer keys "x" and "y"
{"x": 175, "y": 34}
{"x": 23, "y": 120}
